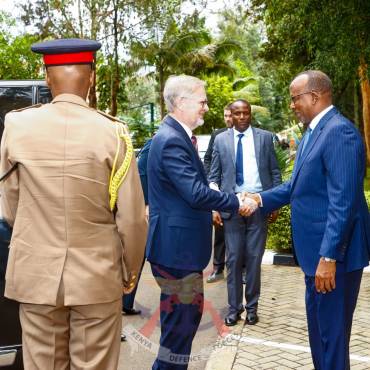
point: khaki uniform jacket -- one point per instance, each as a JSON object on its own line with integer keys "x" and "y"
{"x": 58, "y": 204}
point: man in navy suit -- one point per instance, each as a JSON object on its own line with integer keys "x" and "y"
{"x": 330, "y": 218}
{"x": 180, "y": 220}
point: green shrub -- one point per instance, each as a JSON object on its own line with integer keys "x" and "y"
{"x": 279, "y": 233}
{"x": 279, "y": 236}
{"x": 367, "y": 196}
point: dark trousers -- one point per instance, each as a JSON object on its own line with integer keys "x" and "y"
{"x": 219, "y": 249}
{"x": 245, "y": 244}
{"x": 329, "y": 318}
{"x": 129, "y": 299}
{"x": 181, "y": 309}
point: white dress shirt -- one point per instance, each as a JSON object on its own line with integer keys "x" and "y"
{"x": 185, "y": 127}
{"x": 315, "y": 121}
{"x": 252, "y": 181}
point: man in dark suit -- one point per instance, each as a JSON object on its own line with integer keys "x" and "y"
{"x": 128, "y": 300}
{"x": 330, "y": 218}
{"x": 244, "y": 160}
{"x": 180, "y": 221}
{"x": 219, "y": 241}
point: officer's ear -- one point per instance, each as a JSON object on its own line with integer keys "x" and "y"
{"x": 47, "y": 77}
{"x": 92, "y": 72}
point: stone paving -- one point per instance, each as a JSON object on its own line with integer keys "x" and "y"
{"x": 279, "y": 341}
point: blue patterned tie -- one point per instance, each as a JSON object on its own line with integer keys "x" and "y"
{"x": 306, "y": 140}
{"x": 239, "y": 162}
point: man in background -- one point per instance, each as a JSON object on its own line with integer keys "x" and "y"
{"x": 244, "y": 160}
{"x": 78, "y": 239}
{"x": 219, "y": 241}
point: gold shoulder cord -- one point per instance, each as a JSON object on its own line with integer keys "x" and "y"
{"x": 116, "y": 178}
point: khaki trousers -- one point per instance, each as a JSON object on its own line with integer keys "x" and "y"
{"x": 71, "y": 338}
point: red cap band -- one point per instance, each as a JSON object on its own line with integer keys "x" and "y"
{"x": 70, "y": 58}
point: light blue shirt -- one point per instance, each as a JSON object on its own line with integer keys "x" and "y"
{"x": 251, "y": 176}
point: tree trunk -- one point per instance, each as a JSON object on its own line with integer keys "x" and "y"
{"x": 365, "y": 92}
{"x": 93, "y": 31}
{"x": 161, "y": 88}
{"x": 115, "y": 67}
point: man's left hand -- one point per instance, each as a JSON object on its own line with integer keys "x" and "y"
{"x": 325, "y": 276}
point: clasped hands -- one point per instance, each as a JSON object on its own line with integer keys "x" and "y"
{"x": 249, "y": 203}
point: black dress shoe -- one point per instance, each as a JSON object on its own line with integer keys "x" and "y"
{"x": 131, "y": 311}
{"x": 232, "y": 320}
{"x": 123, "y": 338}
{"x": 251, "y": 319}
{"x": 215, "y": 276}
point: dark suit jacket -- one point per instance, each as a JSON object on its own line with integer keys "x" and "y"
{"x": 208, "y": 156}
{"x": 142, "y": 164}
{"x": 223, "y": 160}
{"x": 329, "y": 212}
{"x": 180, "y": 202}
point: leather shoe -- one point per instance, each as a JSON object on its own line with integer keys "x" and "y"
{"x": 131, "y": 311}
{"x": 251, "y": 319}
{"x": 123, "y": 338}
{"x": 232, "y": 320}
{"x": 215, "y": 276}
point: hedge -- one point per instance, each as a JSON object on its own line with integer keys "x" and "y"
{"x": 279, "y": 233}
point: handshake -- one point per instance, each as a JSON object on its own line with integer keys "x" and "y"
{"x": 249, "y": 202}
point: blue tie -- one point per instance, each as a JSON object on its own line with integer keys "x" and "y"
{"x": 306, "y": 140}
{"x": 239, "y": 162}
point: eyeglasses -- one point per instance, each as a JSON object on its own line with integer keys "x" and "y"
{"x": 294, "y": 98}
{"x": 202, "y": 103}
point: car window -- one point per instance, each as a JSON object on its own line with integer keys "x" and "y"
{"x": 14, "y": 97}
{"x": 44, "y": 95}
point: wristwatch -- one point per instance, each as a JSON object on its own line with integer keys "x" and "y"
{"x": 327, "y": 259}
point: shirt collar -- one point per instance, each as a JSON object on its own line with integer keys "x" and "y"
{"x": 185, "y": 127}
{"x": 317, "y": 118}
{"x": 70, "y": 98}
{"x": 247, "y": 132}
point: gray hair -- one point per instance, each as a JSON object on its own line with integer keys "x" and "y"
{"x": 180, "y": 86}
{"x": 317, "y": 81}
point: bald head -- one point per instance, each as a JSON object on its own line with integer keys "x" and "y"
{"x": 316, "y": 81}
{"x": 311, "y": 93}
{"x": 70, "y": 79}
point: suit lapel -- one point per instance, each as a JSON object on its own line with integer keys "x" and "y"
{"x": 257, "y": 146}
{"x": 230, "y": 145}
{"x": 315, "y": 135}
{"x": 170, "y": 121}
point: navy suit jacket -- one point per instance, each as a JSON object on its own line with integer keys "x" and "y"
{"x": 142, "y": 165}
{"x": 330, "y": 217}
{"x": 180, "y": 202}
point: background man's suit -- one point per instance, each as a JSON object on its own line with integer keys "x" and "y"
{"x": 245, "y": 236}
{"x": 180, "y": 234}
{"x": 129, "y": 299}
{"x": 330, "y": 218}
{"x": 70, "y": 255}
{"x": 219, "y": 242}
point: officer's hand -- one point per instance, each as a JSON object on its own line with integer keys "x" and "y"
{"x": 130, "y": 285}
{"x": 325, "y": 276}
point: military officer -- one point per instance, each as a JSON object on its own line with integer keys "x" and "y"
{"x": 77, "y": 210}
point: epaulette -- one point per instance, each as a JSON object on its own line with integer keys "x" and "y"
{"x": 29, "y": 107}
{"x": 112, "y": 118}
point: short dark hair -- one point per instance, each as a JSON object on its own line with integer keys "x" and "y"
{"x": 228, "y": 106}
{"x": 317, "y": 81}
{"x": 239, "y": 101}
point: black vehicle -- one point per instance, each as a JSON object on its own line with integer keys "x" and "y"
{"x": 14, "y": 95}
